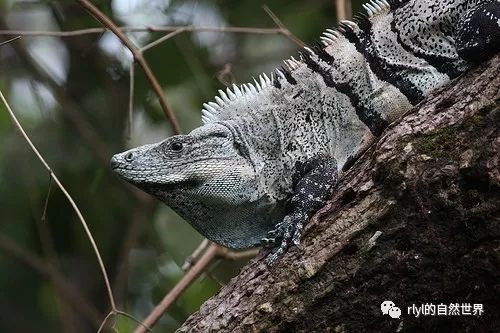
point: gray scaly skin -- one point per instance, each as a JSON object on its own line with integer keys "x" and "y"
{"x": 269, "y": 154}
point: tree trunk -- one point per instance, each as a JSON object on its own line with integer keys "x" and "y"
{"x": 414, "y": 221}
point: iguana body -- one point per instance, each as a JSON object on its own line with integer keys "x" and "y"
{"x": 269, "y": 153}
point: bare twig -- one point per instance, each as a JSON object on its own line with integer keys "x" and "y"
{"x": 68, "y": 197}
{"x": 46, "y": 205}
{"x": 212, "y": 253}
{"x": 67, "y": 317}
{"x": 225, "y": 75}
{"x": 47, "y": 243}
{"x": 162, "y": 39}
{"x": 186, "y": 28}
{"x": 343, "y": 8}
{"x": 130, "y": 99}
{"x": 105, "y": 320}
{"x": 188, "y": 263}
{"x": 207, "y": 258}
{"x": 237, "y": 255}
{"x": 114, "y": 313}
{"x": 282, "y": 27}
{"x": 10, "y": 40}
{"x": 139, "y": 58}
{"x": 223, "y": 253}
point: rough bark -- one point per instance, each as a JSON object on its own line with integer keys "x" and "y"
{"x": 430, "y": 189}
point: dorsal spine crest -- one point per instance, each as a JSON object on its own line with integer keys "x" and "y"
{"x": 361, "y": 24}
{"x": 212, "y": 111}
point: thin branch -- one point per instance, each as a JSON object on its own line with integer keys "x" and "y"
{"x": 207, "y": 258}
{"x": 188, "y": 263}
{"x": 211, "y": 253}
{"x": 343, "y": 9}
{"x": 225, "y": 75}
{"x": 144, "y": 326}
{"x": 113, "y": 313}
{"x": 130, "y": 99}
{"x": 67, "y": 317}
{"x": 138, "y": 56}
{"x": 237, "y": 255}
{"x": 186, "y": 28}
{"x": 105, "y": 320}
{"x": 162, "y": 39}
{"x": 46, "y": 241}
{"x": 10, "y": 40}
{"x": 46, "y": 205}
{"x": 282, "y": 27}
{"x": 68, "y": 197}
{"x": 223, "y": 253}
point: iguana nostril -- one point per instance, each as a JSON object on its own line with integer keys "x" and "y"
{"x": 129, "y": 157}
{"x": 114, "y": 163}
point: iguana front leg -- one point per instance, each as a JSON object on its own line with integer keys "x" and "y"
{"x": 314, "y": 181}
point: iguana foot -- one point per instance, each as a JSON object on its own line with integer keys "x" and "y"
{"x": 285, "y": 233}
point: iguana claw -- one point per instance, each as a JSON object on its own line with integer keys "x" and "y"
{"x": 286, "y": 232}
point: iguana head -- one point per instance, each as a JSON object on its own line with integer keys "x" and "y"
{"x": 207, "y": 178}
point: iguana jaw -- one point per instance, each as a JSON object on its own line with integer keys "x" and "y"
{"x": 209, "y": 155}
{"x": 177, "y": 160}
{"x": 144, "y": 176}
{"x": 209, "y": 183}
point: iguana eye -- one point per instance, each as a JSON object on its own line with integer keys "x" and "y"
{"x": 129, "y": 157}
{"x": 176, "y": 146}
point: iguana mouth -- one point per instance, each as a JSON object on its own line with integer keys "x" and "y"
{"x": 127, "y": 171}
{"x": 143, "y": 181}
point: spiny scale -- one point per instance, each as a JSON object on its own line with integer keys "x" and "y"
{"x": 328, "y": 38}
{"x": 211, "y": 109}
{"x": 376, "y": 6}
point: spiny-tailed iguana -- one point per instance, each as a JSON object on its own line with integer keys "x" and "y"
{"x": 269, "y": 153}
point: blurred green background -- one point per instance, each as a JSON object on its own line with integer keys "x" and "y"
{"x": 71, "y": 95}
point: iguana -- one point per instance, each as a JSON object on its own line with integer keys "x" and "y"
{"x": 269, "y": 154}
